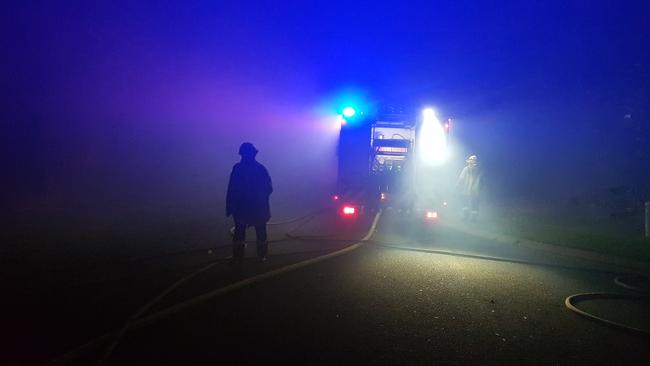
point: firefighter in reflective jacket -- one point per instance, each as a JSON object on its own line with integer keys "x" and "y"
{"x": 469, "y": 183}
{"x": 248, "y": 201}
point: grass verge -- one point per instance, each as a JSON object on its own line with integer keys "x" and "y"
{"x": 581, "y": 229}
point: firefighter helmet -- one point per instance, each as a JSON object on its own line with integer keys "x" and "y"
{"x": 247, "y": 149}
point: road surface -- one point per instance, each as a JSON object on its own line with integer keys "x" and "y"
{"x": 395, "y": 299}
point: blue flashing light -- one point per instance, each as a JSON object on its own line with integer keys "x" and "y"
{"x": 349, "y": 112}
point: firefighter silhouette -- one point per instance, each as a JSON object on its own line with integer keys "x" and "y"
{"x": 469, "y": 182}
{"x": 247, "y": 201}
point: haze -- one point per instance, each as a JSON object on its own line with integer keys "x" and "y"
{"x": 121, "y": 122}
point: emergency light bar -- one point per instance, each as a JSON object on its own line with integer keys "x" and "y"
{"x": 392, "y": 149}
{"x": 349, "y": 112}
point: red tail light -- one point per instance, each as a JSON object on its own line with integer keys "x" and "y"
{"x": 348, "y": 211}
{"x": 335, "y": 197}
{"x": 431, "y": 215}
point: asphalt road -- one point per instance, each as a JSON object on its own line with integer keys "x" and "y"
{"x": 390, "y": 301}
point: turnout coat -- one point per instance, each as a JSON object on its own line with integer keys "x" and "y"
{"x": 470, "y": 180}
{"x": 248, "y": 193}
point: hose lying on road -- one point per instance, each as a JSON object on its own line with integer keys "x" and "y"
{"x": 490, "y": 258}
{"x": 135, "y": 261}
{"x": 224, "y": 244}
{"x": 307, "y": 218}
{"x": 623, "y": 281}
{"x": 571, "y": 301}
{"x": 120, "y": 334}
{"x": 138, "y": 318}
{"x": 290, "y": 221}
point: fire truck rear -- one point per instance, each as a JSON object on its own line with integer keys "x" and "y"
{"x": 392, "y": 159}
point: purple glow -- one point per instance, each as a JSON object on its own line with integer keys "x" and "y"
{"x": 137, "y": 109}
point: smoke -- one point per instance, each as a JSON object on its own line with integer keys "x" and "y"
{"x": 130, "y": 116}
{"x": 132, "y": 142}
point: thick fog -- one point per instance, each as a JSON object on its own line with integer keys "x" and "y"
{"x": 121, "y": 123}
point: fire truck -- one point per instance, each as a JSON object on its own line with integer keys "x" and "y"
{"x": 392, "y": 158}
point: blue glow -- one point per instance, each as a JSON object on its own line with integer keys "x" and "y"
{"x": 349, "y": 112}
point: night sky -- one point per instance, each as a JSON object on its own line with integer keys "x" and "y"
{"x": 119, "y": 108}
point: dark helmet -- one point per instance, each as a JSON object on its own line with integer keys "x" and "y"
{"x": 247, "y": 149}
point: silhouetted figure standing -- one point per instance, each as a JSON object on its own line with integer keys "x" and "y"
{"x": 470, "y": 183}
{"x": 248, "y": 201}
